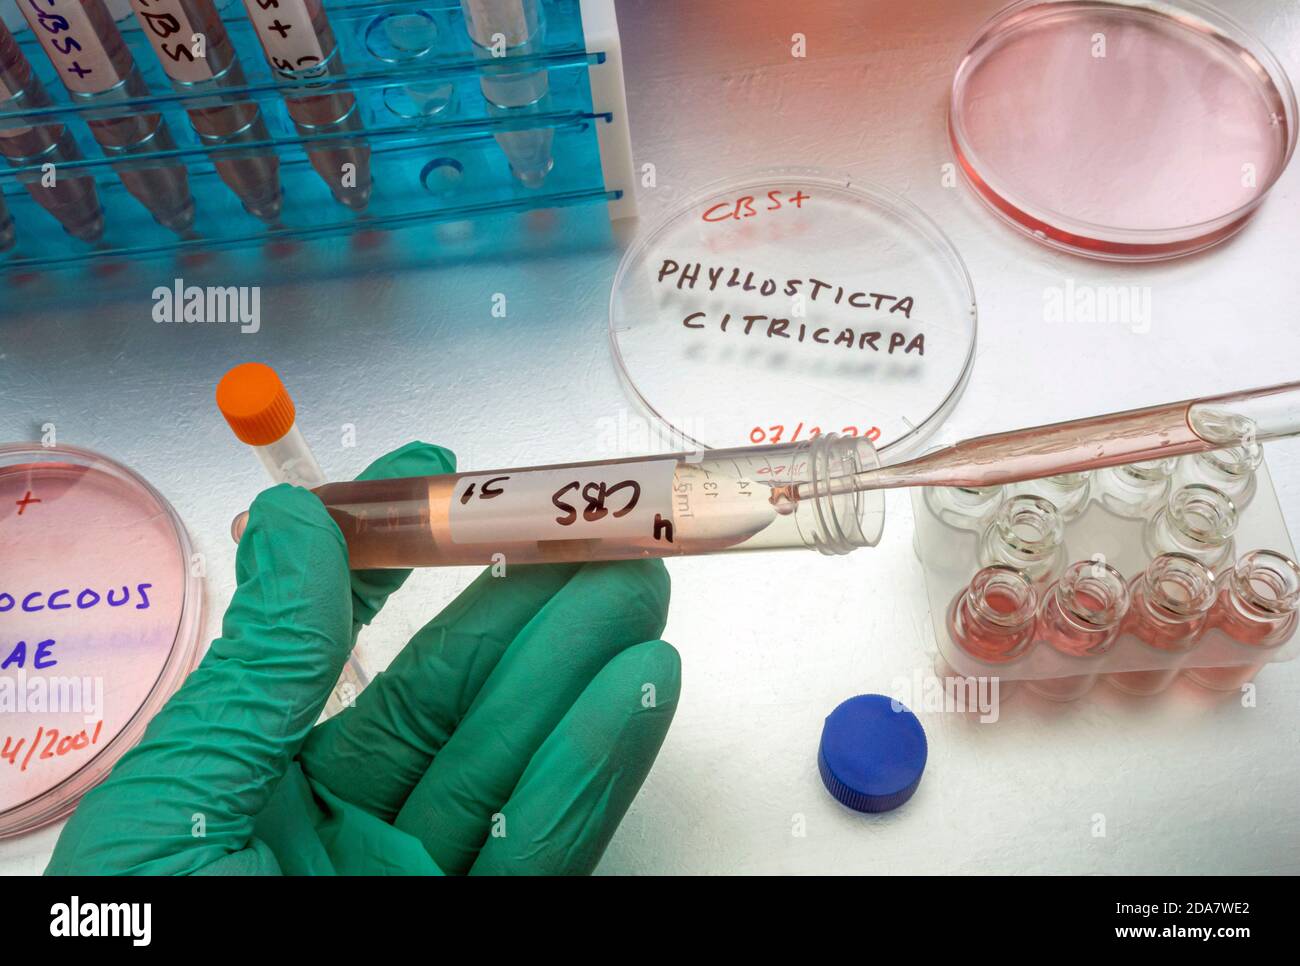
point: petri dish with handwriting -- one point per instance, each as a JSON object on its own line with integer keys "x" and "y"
{"x": 1124, "y": 130}
{"x": 100, "y": 616}
{"x": 789, "y": 304}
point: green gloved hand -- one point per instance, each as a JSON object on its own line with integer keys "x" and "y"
{"x": 509, "y": 736}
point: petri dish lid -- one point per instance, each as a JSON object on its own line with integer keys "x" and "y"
{"x": 1126, "y": 130}
{"x": 100, "y": 616}
{"x": 789, "y": 304}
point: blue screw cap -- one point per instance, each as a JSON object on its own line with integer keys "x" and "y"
{"x": 872, "y": 753}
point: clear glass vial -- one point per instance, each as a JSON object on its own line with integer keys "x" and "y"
{"x": 1068, "y": 492}
{"x": 1168, "y": 612}
{"x": 992, "y": 620}
{"x": 1080, "y": 617}
{"x": 1199, "y": 521}
{"x": 1136, "y": 490}
{"x": 1231, "y": 471}
{"x": 1257, "y": 609}
{"x": 964, "y": 507}
{"x": 1028, "y": 535}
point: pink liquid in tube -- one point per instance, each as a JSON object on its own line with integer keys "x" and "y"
{"x": 1080, "y": 618}
{"x": 1119, "y": 129}
{"x": 993, "y": 619}
{"x": 1169, "y": 611}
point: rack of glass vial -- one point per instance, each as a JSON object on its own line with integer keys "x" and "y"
{"x": 198, "y": 124}
{"x": 1132, "y": 575}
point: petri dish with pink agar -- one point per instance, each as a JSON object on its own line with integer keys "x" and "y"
{"x": 1125, "y": 130}
{"x": 100, "y": 616}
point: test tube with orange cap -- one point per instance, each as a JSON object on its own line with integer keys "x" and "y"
{"x": 261, "y": 413}
{"x": 259, "y": 410}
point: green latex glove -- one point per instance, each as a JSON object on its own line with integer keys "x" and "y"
{"x": 509, "y": 736}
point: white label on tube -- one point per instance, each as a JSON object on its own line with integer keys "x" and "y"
{"x": 69, "y": 38}
{"x": 285, "y": 29}
{"x": 613, "y": 501}
{"x": 173, "y": 38}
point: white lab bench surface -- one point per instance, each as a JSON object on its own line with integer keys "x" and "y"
{"x": 1188, "y": 782}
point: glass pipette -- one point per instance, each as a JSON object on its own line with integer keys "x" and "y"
{"x": 1174, "y": 429}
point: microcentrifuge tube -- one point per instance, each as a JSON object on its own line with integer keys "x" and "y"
{"x": 1080, "y": 618}
{"x": 1135, "y": 490}
{"x": 1257, "y": 609}
{"x": 1168, "y": 612}
{"x": 1199, "y": 521}
{"x": 171, "y": 26}
{"x": 96, "y": 67}
{"x": 1028, "y": 534}
{"x": 500, "y": 28}
{"x": 71, "y": 199}
{"x": 299, "y": 44}
{"x": 261, "y": 413}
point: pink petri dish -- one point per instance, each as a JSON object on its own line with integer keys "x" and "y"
{"x": 100, "y": 616}
{"x": 1129, "y": 130}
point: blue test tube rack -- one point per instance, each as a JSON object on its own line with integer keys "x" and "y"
{"x": 434, "y": 154}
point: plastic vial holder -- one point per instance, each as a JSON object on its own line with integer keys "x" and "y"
{"x": 437, "y": 148}
{"x": 100, "y": 617}
{"x": 950, "y": 559}
{"x": 1127, "y": 130}
{"x": 789, "y": 304}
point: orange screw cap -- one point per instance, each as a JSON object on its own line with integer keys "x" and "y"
{"x": 255, "y": 403}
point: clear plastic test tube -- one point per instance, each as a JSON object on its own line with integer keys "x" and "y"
{"x": 96, "y": 67}
{"x": 70, "y": 198}
{"x": 172, "y": 27}
{"x": 261, "y": 413}
{"x": 512, "y": 27}
{"x": 299, "y": 44}
{"x": 714, "y": 501}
